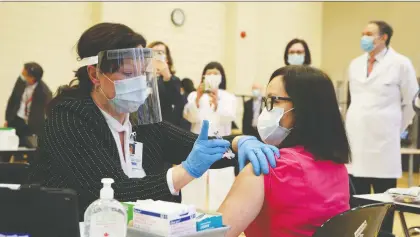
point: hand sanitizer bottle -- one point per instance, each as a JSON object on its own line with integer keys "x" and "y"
{"x": 106, "y": 217}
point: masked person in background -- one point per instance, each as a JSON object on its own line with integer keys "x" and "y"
{"x": 28, "y": 102}
{"x": 211, "y": 102}
{"x": 88, "y": 132}
{"x": 382, "y": 86}
{"x": 297, "y": 53}
{"x": 171, "y": 100}
{"x": 252, "y": 110}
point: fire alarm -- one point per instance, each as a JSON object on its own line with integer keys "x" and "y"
{"x": 243, "y": 34}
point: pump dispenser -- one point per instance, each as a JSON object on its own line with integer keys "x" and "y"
{"x": 106, "y": 216}
{"x": 107, "y": 192}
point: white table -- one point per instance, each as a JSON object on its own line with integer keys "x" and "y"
{"x": 207, "y": 233}
{"x": 411, "y": 152}
{"x": 400, "y": 207}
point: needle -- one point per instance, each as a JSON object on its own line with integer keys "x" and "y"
{"x": 229, "y": 152}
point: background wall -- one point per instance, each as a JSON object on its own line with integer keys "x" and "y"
{"x": 41, "y": 32}
{"x": 199, "y": 41}
{"x": 343, "y": 23}
{"x": 269, "y": 27}
{"x": 47, "y": 33}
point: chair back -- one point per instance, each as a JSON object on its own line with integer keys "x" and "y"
{"x": 14, "y": 173}
{"x": 364, "y": 221}
{"x": 353, "y": 201}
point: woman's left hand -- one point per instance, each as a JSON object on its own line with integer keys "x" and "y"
{"x": 250, "y": 148}
{"x": 162, "y": 69}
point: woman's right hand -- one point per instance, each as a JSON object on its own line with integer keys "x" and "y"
{"x": 204, "y": 153}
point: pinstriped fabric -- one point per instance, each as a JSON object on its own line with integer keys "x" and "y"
{"x": 77, "y": 150}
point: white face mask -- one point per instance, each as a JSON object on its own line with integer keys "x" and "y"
{"x": 296, "y": 59}
{"x": 268, "y": 126}
{"x": 212, "y": 81}
{"x": 130, "y": 94}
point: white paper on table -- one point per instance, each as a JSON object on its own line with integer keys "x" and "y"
{"x": 195, "y": 193}
{"x": 220, "y": 183}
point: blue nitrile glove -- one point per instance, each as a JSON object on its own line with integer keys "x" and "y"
{"x": 204, "y": 153}
{"x": 249, "y": 148}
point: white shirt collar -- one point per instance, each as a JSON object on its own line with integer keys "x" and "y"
{"x": 115, "y": 124}
{"x": 381, "y": 55}
{"x": 31, "y": 87}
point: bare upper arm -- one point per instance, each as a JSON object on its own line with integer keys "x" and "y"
{"x": 244, "y": 201}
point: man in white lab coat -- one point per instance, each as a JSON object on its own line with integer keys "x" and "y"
{"x": 382, "y": 85}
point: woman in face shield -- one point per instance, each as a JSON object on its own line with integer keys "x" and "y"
{"x": 88, "y": 132}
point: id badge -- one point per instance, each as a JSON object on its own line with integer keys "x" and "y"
{"x": 136, "y": 159}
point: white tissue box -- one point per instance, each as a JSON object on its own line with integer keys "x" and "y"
{"x": 164, "y": 218}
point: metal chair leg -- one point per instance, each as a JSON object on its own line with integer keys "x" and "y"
{"x": 404, "y": 224}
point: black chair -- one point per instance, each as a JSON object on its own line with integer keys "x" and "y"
{"x": 364, "y": 221}
{"x": 39, "y": 212}
{"x": 353, "y": 201}
{"x": 14, "y": 173}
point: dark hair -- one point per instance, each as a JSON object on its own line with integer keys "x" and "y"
{"x": 218, "y": 66}
{"x": 34, "y": 69}
{"x": 188, "y": 86}
{"x": 100, "y": 37}
{"x": 168, "y": 55}
{"x": 384, "y": 28}
{"x": 308, "y": 59}
{"x": 318, "y": 123}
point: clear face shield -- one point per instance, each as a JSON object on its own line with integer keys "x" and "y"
{"x": 127, "y": 81}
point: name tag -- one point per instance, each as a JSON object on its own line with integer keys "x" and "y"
{"x": 136, "y": 160}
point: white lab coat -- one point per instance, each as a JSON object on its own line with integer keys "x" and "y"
{"x": 379, "y": 112}
{"x": 220, "y": 119}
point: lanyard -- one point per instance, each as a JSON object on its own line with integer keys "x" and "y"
{"x": 132, "y": 137}
{"x": 27, "y": 106}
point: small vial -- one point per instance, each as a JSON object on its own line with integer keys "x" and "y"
{"x": 229, "y": 153}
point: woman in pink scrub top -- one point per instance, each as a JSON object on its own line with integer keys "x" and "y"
{"x": 310, "y": 183}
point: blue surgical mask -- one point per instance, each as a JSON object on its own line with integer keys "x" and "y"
{"x": 296, "y": 59}
{"x": 268, "y": 126}
{"x": 256, "y": 93}
{"x": 366, "y": 43}
{"x": 130, "y": 94}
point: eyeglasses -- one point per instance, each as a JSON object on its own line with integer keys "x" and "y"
{"x": 269, "y": 101}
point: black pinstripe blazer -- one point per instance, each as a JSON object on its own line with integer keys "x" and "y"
{"x": 77, "y": 150}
